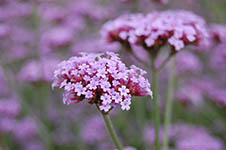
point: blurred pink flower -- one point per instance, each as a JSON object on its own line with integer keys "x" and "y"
{"x": 9, "y": 107}
{"x": 186, "y": 137}
{"x": 37, "y": 71}
{"x": 58, "y": 37}
{"x": 7, "y": 125}
{"x": 25, "y": 129}
{"x": 198, "y": 142}
{"x": 176, "y": 28}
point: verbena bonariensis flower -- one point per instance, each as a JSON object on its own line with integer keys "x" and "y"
{"x": 218, "y": 32}
{"x": 102, "y": 79}
{"x": 176, "y": 28}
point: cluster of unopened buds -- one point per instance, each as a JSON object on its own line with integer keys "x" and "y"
{"x": 176, "y": 28}
{"x": 102, "y": 79}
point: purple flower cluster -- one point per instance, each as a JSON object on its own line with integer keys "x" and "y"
{"x": 23, "y": 129}
{"x": 186, "y": 137}
{"x": 198, "y": 89}
{"x": 58, "y": 37}
{"x": 9, "y": 107}
{"x": 37, "y": 71}
{"x": 199, "y": 141}
{"x": 176, "y": 28}
{"x": 102, "y": 79}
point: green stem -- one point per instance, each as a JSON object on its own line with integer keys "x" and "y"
{"x": 156, "y": 108}
{"x": 1, "y": 141}
{"x": 169, "y": 101}
{"x": 112, "y": 131}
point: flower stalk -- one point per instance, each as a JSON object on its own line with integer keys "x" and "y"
{"x": 169, "y": 102}
{"x": 155, "y": 99}
{"x": 111, "y": 129}
{"x": 156, "y": 108}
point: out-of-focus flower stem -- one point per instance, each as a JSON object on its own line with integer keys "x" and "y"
{"x": 172, "y": 53}
{"x": 156, "y": 107}
{"x": 155, "y": 99}
{"x": 169, "y": 101}
{"x": 1, "y": 141}
{"x": 111, "y": 130}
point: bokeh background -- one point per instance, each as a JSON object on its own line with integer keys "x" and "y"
{"x": 35, "y": 35}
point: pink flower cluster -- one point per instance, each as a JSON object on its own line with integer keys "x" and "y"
{"x": 176, "y": 28}
{"x": 102, "y": 79}
{"x": 186, "y": 137}
{"x": 197, "y": 142}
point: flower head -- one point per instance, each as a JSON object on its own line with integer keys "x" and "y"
{"x": 176, "y": 28}
{"x": 102, "y": 79}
